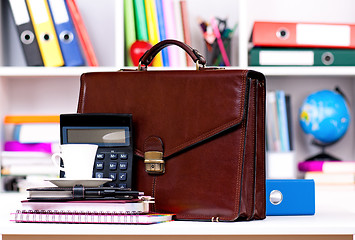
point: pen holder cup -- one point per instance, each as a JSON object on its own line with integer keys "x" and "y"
{"x": 213, "y": 52}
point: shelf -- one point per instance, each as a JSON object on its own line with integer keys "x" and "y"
{"x": 268, "y": 71}
{"x": 50, "y": 72}
{"x": 306, "y": 71}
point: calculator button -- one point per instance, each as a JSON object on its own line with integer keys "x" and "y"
{"x": 113, "y": 165}
{"x": 100, "y": 156}
{"x": 99, "y": 165}
{"x": 122, "y": 185}
{"x": 113, "y": 176}
{"x": 99, "y": 175}
{"x": 113, "y": 156}
{"x": 123, "y": 165}
{"x": 123, "y": 156}
{"x": 122, "y": 176}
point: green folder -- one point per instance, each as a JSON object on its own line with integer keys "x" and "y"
{"x": 301, "y": 57}
{"x": 141, "y": 21}
{"x": 130, "y": 29}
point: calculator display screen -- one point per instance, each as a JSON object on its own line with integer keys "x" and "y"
{"x": 118, "y": 136}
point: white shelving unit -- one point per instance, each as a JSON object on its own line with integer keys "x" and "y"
{"x": 40, "y": 90}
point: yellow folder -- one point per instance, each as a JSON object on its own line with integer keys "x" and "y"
{"x": 45, "y": 33}
{"x": 153, "y": 30}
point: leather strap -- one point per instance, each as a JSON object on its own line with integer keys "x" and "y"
{"x": 149, "y": 55}
{"x": 153, "y": 143}
{"x": 78, "y": 192}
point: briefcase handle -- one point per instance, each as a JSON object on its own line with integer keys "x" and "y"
{"x": 149, "y": 55}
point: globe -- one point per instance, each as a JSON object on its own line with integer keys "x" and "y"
{"x": 325, "y": 115}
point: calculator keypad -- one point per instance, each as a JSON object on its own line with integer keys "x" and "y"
{"x": 115, "y": 165}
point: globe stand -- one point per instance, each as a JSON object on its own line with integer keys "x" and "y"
{"x": 322, "y": 156}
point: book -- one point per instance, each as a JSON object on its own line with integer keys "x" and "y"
{"x": 67, "y": 36}
{"x": 37, "y": 133}
{"x": 26, "y": 33}
{"x": 28, "y": 169}
{"x": 27, "y": 163}
{"x": 153, "y": 29}
{"x": 298, "y": 34}
{"x": 83, "y": 35}
{"x": 23, "y": 216}
{"x": 289, "y": 120}
{"x": 170, "y": 28}
{"x": 272, "y": 123}
{"x": 45, "y": 33}
{"x": 278, "y": 121}
{"x": 186, "y": 28}
{"x": 16, "y": 146}
{"x": 24, "y": 158}
{"x": 129, "y": 29}
{"x": 179, "y": 31}
{"x": 162, "y": 32}
{"x": 19, "y": 119}
{"x": 282, "y": 120}
{"x": 140, "y": 20}
{"x": 327, "y": 166}
{"x": 331, "y": 178}
{"x": 301, "y": 57}
{"x": 119, "y": 206}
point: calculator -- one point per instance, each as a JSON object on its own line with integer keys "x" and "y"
{"x": 113, "y": 135}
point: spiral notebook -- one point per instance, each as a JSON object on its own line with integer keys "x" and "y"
{"x": 29, "y": 216}
{"x": 125, "y": 206}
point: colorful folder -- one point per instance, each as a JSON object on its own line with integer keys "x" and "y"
{"x": 301, "y": 57}
{"x": 170, "y": 29}
{"x": 66, "y": 33}
{"x": 129, "y": 29}
{"x": 45, "y": 33}
{"x": 26, "y": 32}
{"x": 290, "y": 197}
{"x": 162, "y": 32}
{"x": 179, "y": 31}
{"x": 140, "y": 20}
{"x": 153, "y": 30}
{"x": 83, "y": 35}
{"x": 290, "y": 34}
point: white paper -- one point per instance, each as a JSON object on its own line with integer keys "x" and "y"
{"x": 59, "y": 11}
{"x": 286, "y": 58}
{"x": 20, "y": 12}
{"x": 325, "y": 35}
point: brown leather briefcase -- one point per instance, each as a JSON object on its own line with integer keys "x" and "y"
{"x": 199, "y": 135}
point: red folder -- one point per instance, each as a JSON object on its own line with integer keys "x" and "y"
{"x": 287, "y": 34}
{"x": 82, "y": 34}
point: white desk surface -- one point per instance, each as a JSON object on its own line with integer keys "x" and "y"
{"x": 335, "y": 215}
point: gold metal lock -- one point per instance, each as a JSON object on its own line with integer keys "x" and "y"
{"x": 154, "y": 163}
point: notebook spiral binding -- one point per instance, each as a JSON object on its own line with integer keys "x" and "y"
{"x": 43, "y": 216}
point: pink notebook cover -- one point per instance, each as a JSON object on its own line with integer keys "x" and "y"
{"x": 27, "y": 147}
{"x": 311, "y": 166}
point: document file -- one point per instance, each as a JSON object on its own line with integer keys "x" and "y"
{"x": 26, "y": 33}
{"x": 45, "y": 33}
{"x": 282, "y": 34}
{"x": 67, "y": 36}
{"x": 290, "y": 197}
{"x": 302, "y": 57}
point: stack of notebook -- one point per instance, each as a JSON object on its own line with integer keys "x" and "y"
{"x": 80, "y": 204}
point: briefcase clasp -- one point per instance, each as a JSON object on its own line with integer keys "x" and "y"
{"x": 154, "y": 163}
